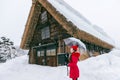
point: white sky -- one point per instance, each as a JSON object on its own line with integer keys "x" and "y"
{"x": 103, "y": 13}
{"x": 13, "y": 17}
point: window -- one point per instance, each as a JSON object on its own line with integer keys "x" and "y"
{"x": 48, "y": 52}
{"x": 45, "y": 33}
{"x": 51, "y": 52}
{"x": 44, "y": 17}
{"x": 40, "y": 53}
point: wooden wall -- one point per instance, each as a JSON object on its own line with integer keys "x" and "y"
{"x": 57, "y": 34}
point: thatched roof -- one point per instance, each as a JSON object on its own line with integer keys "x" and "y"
{"x": 62, "y": 20}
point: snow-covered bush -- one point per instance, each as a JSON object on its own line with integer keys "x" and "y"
{"x": 7, "y": 49}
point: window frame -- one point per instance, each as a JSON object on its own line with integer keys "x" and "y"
{"x": 45, "y": 32}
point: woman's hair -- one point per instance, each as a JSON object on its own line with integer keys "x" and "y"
{"x": 75, "y": 47}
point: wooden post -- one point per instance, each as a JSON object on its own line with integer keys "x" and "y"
{"x": 32, "y": 56}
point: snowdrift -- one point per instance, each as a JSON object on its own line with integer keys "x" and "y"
{"x": 103, "y": 67}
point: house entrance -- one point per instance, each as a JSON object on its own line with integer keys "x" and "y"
{"x": 46, "y": 55}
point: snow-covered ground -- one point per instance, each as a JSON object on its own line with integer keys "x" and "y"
{"x": 103, "y": 67}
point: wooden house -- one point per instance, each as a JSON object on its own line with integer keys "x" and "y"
{"x": 46, "y": 28}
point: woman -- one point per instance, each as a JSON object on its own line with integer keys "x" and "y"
{"x": 74, "y": 70}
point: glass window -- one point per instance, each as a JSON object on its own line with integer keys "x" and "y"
{"x": 42, "y": 53}
{"x": 38, "y": 53}
{"x": 45, "y": 33}
{"x": 51, "y": 52}
{"x": 44, "y": 17}
{"x": 48, "y": 52}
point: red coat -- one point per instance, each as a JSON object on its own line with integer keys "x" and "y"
{"x": 74, "y": 70}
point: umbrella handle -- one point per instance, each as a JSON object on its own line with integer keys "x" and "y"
{"x": 67, "y": 71}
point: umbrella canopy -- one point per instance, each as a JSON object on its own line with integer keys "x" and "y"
{"x": 71, "y": 41}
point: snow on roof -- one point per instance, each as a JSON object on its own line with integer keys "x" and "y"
{"x": 82, "y": 23}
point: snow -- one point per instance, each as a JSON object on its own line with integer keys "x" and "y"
{"x": 79, "y": 20}
{"x": 103, "y": 67}
{"x": 19, "y": 69}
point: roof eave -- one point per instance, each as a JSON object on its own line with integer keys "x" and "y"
{"x": 27, "y": 27}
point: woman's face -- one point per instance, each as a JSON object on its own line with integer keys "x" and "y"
{"x": 71, "y": 50}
